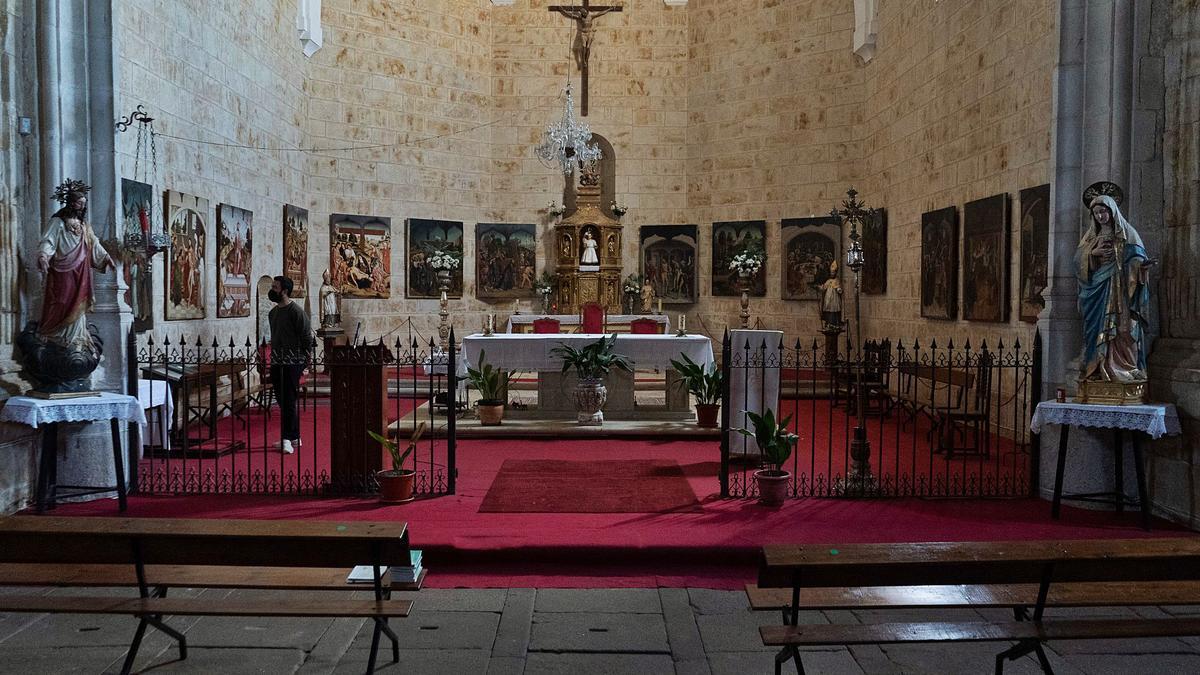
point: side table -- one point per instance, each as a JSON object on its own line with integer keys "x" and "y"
{"x": 1153, "y": 420}
{"x": 47, "y": 414}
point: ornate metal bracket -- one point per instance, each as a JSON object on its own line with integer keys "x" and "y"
{"x": 138, "y": 116}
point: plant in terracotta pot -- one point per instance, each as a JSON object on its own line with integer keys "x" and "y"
{"x": 703, "y": 383}
{"x": 396, "y": 485}
{"x": 775, "y": 441}
{"x": 492, "y": 384}
{"x": 591, "y": 363}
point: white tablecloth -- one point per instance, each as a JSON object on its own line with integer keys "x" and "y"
{"x": 516, "y": 351}
{"x": 753, "y": 380}
{"x": 1155, "y": 420}
{"x": 566, "y": 321}
{"x": 36, "y": 411}
{"x": 154, "y": 394}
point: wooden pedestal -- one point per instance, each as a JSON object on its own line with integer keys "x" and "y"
{"x": 357, "y": 393}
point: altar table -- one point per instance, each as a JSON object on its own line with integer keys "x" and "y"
{"x": 520, "y": 351}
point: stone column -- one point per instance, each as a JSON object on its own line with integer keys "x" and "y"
{"x": 77, "y": 117}
{"x": 1107, "y": 126}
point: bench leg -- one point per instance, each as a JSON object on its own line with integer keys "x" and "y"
{"x": 1021, "y": 649}
{"x": 784, "y": 655}
{"x": 381, "y": 627}
{"x": 127, "y": 667}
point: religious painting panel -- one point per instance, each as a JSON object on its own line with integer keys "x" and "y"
{"x": 505, "y": 260}
{"x": 360, "y": 255}
{"x": 234, "y": 245}
{"x": 186, "y": 221}
{"x": 812, "y": 249}
{"x": 668, "y": 262}
{"x": 985, "y": 259}
{"x": 1035, "y": 243}
{"x": 427, "y": 239}
{"x": 295, "y": 248}
{"x": 939, "y": 264}
{"x": 137, "y": 205}
{"x": 730, "y": 239}
{"x": 875, "y": 250}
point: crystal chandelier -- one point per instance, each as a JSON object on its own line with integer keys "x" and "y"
{"x": 567, "y": 141}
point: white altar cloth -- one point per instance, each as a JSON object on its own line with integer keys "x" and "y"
{"x": 753, "y": 380}
{"x": 567, "y": 321}
{"x": 154, "y": 394}
{"x": 1155, "y": 420}
{"x": 517, "y": 351}
{"x": 106, "y": 406}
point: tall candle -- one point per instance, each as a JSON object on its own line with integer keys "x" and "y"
{"x": 660, "y": 305}
{"x": 682, "y": 322}
{"x": 443, "y": 296}
{"x": 491, "y": 319}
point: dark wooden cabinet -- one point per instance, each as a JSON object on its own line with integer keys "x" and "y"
{"x": 358, "y": 392}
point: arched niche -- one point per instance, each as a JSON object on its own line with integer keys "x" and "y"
{"x": 608, "y": 179}
{"x": 264, "y": 308}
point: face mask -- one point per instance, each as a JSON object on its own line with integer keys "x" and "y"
{"x": 274, "y": 296}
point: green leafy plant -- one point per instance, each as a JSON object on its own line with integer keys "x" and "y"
{"x": 592, "y": 361}
{"x": 489, "y": 380}
{"x": 704, "y": 384}
{"x": 393, "y": 448}
{"x": 773, "y": 439}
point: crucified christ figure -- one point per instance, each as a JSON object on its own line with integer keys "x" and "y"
{"x": 584, "y": 15}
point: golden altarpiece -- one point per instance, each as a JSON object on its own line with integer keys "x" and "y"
{"x": 588, "y": 246}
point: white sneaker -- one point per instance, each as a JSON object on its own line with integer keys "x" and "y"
{"x": 286, "y": 446}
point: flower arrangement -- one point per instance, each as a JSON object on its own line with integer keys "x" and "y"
{"x": 618, "y": 209}
{"x": 545, "y": 285}
{"x": 632, "y": 284}
{"x": 555, "y": 209}
{"x": 747, "y": 262}
{"x": 444, "y": 260}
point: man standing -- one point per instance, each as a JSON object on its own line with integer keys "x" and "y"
{"x": 291, "y": 343}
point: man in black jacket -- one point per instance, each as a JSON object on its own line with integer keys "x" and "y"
{"x": 291, "y": 344}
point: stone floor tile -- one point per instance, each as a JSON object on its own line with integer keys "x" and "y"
{"x": 739, "y": 632}
{"x": 574, "y": 632}
{"x": 457, "y": 599}
{"x": 417, "y": 662}
{"x": 961, "y": 657}
{"x": 204, "y": 661}
{"x": 257, "y": 632}
{"x": 616, "y": 600}
{"x": 438, "y": 630}
{"x": 1125, "y": 664}
{"x": 58, "y": 660}
{"x": 512, "y": 635}
{"x": 682, "y": 632}
{"x": 708, "y": 601}
{"x": 599, "y": 664}
{"x": 506, "y": 665}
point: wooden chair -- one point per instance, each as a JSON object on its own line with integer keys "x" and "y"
{"x": 645, "y": 327}
{"x": 592, "y": 317}
{"x": 546, "y": 325}
{"x": 973, "y": 415}
{"x": 876, "y": 371}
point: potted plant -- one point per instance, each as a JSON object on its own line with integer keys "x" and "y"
{"x": 444, "y": 261}
{"x": 396, "y": 485}
{"x": 591, "y": 364}
{"x": 775, "y": 442}
{"x": 544, "y": 287}
{"x": 705, "y": 385}
{"x": 492, "y": 384}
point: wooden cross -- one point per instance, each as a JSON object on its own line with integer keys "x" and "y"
{"x": 584, "y": 15}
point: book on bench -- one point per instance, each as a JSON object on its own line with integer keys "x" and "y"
{"x": 407, "y": 574}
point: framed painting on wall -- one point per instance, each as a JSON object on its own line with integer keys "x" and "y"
{"x": 505, "y": 260}
{"x": 1035, "y": 243}
{"x": 875, "y": 250}
{"x": 810, "y": 247}
{"x": 234, "y": 245}
{"x": 729, "y": 239}
{"x": 186, "y": 218}
{"x": 138, "y": 269}
{"x": 668, "y": 261}
{"x": 985, "y": 259}
{"x": 295, "y": 248}
{"x": 939, "y": 264}
{"x": 360, "y": 255}
{"x": 425, "y": 238}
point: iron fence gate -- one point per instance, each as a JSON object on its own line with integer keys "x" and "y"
{"x": 214, "y": 417}
{"x": 937, "y": 421}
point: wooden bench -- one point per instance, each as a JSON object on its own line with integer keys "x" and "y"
{"x": 1021, "y": 576}
{"x": 155, "y": 555}
{"x": 952, "y": 398}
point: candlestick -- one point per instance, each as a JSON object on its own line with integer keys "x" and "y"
{"x": 660, "y": 305}
{"x": 516, "y": 306}
{"x": 443, "y": 296}
{"x": 682, "y": 325}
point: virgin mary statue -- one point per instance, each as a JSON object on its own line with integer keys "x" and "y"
{"x": 1113, "y": 270}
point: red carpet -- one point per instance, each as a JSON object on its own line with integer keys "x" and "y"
{"x": 597, "y": 486}
{"x": 715, "y": 546}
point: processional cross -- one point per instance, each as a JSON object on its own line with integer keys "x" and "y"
{"x": 584, "y": 15}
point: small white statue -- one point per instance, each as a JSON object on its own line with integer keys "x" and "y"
{"x": 589, "y": 249}
{"x": 331, "y": 311}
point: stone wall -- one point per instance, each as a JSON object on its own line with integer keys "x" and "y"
{"x": 958, "y": 108}
{"x": 216, "y": 74}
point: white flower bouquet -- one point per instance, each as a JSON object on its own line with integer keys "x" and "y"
{"x": 555, "y": 209}
{"x": 444, "y": 260}
{"x": 746, "y": 263}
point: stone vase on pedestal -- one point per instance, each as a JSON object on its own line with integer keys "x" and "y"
{"x": 589, "y": 397}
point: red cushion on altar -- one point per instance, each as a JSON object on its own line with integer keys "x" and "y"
{"x": 644, "y": 327}
{"x": 545, "y": 325}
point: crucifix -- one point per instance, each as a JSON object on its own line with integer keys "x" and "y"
{"x": 584, "y": 15}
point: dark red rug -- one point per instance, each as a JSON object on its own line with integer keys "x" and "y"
{"x": 594, "y": 486}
